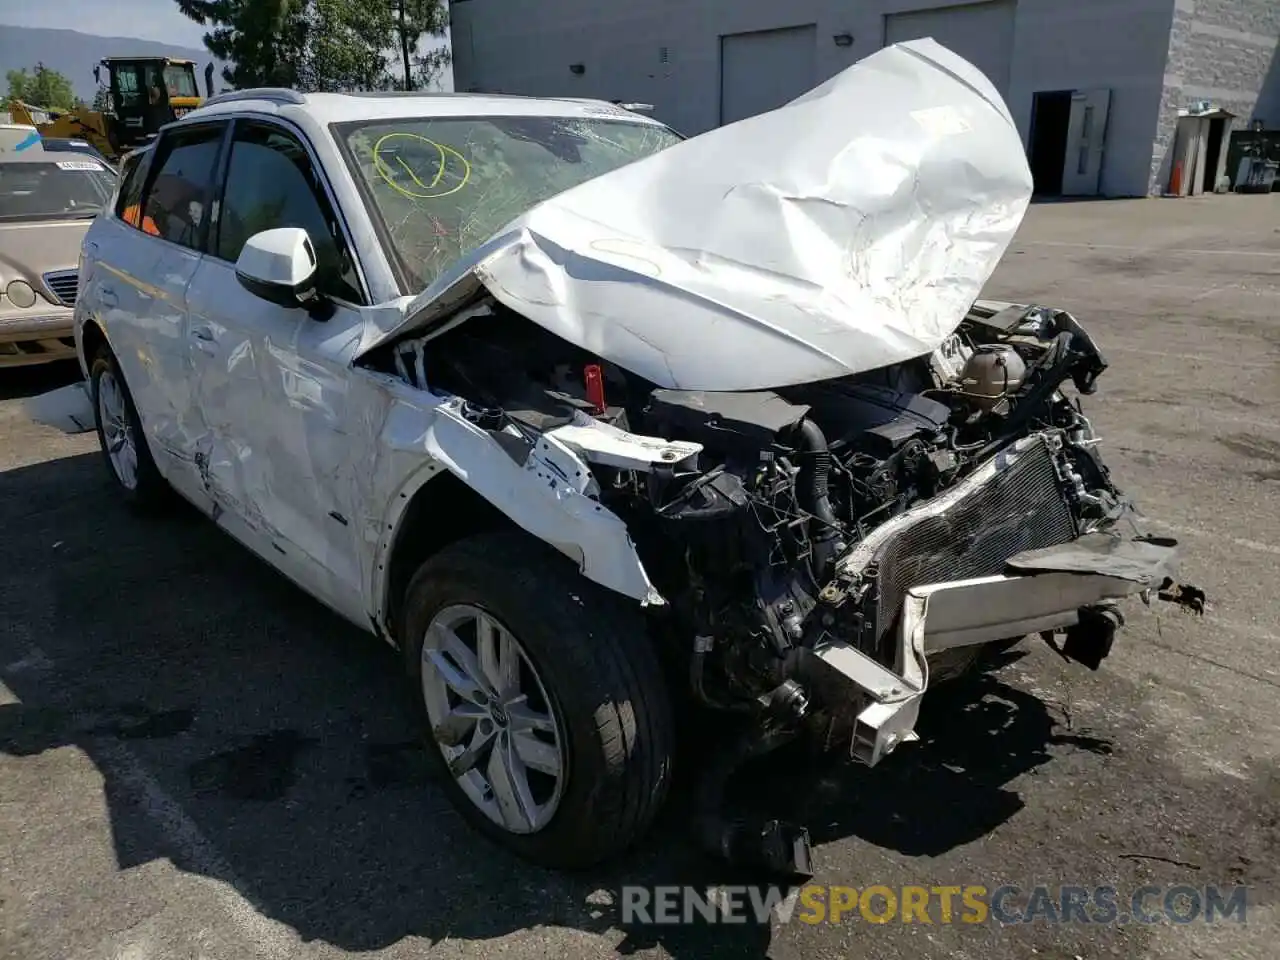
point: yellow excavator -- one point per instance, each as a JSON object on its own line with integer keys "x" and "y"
{"x": 143, "y": 93}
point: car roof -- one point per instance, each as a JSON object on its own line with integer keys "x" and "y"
{"x": 68, "y": 145}
{"x": 327, "y": 108}
{"x": 49, "y": 156}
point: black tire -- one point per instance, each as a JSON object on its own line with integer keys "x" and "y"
{"x": 600, "y": 670}
{"x": 149, "y": 490}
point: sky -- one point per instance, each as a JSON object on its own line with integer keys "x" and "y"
{"x": 145, "y": 19}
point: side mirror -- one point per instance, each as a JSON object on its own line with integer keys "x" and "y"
{"x": 280, "y": 267}
{"x": 208, "y": 78}
{"x": 97, "y": 75}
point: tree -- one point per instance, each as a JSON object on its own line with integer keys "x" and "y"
{"x": 263, "y": 40}
{"x": 415, "y": 19}
{"x": 323, "y": 44}
{"x": 345, "y": 45}
{"x": 43, "y": 88}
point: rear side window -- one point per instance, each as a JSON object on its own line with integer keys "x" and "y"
{"x": 133, "y": 174}
{"x": 179, "y": 186}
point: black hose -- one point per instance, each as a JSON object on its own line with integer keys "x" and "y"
{"x": 815, "y": 494}
{"x": 700, "y": 691}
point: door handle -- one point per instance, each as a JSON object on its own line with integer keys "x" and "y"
{"x": 204, "y": 339}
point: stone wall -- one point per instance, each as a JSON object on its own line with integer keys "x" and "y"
{"x": 1223, "y": 51}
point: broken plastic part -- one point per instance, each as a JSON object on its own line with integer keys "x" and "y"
{"x": 1090, "y": 640}
{"x": 593, "y": 380}
{"x": 1183, "y": 594}
{"x": 781, "y": 849}
{"x": 551, "y": 493}
{"x": 602, "y": 443}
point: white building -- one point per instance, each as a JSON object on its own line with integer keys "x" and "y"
{"x": 1095, "y": 86}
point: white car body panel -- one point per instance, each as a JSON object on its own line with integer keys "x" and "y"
{"x": 846, "y": 231}
{"x": 271, "y": 442}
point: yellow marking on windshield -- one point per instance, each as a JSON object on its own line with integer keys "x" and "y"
{"x": 430, "y": 191}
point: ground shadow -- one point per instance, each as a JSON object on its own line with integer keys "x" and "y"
{"x": 22, "y": 382}
{"x": 281, "y": 734}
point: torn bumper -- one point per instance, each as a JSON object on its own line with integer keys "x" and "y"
{"x": 1042, "y": 590}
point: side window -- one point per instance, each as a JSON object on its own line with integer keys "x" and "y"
{"x": 133, "y": 175}
{"x": 271, "y": 183}
{"x": 128, "y": 88}
{"x": 178, "y": 191}
{"x": 155, "y": 93}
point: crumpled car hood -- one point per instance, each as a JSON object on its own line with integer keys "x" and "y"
{"x": 845, "y": 231}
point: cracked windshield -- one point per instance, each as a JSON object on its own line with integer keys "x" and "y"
{"x": 444, "y": 186}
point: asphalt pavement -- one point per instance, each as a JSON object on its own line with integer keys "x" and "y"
{"x": 198, "y": 761}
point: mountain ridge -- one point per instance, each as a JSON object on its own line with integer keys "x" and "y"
{"x": 73, "y": 54}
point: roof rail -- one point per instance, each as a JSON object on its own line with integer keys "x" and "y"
{"x": 276, "y": 94}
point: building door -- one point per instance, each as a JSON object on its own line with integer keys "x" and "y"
{"x": 762, "y": 70}
{"x": 1086, "y": 133}
{"x": 1214, "y": 161}
{"x": 1065, "y": 149}
{"x": 1050, "y": 119}
{"x": 1189, "y": 146}
{"x": 982, "y": 33}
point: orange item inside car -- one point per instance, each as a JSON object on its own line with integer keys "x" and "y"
{"x": 130, "y": 216}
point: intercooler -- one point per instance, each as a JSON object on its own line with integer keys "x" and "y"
{"x": 1020, "y": 507}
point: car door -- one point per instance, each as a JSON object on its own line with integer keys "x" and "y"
{"x": 139, "y": 262}
{"x": 272, "y": 382}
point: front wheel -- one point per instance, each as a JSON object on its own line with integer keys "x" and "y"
{"x": 542, "y": 697}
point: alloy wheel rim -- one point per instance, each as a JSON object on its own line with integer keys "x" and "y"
{"x": 492, "y": 719}
{"x": 117, "y": 434}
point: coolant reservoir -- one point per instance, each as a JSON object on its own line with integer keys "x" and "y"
{"x": 993, "y": 372}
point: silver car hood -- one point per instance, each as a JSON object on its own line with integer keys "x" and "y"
{"x": 847, "y": 230}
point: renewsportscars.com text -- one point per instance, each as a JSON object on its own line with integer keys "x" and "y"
{"x": 967, "y": 904}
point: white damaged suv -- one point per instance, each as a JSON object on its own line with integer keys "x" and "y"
{"x": 588, "y": 419}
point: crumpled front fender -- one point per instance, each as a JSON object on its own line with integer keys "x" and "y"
{"x": 546, "y": 489}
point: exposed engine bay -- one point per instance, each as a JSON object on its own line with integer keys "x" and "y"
{"x": 791, "y": 530}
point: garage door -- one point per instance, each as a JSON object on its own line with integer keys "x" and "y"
{"x": 982, "y": 33}
{"x": 761, "y": 71}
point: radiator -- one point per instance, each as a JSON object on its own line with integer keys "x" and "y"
{"x": 1020, "y": 508}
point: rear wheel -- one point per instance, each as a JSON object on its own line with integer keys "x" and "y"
{"x": 120, "y": 433}
{"x": 542, "y": 698}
